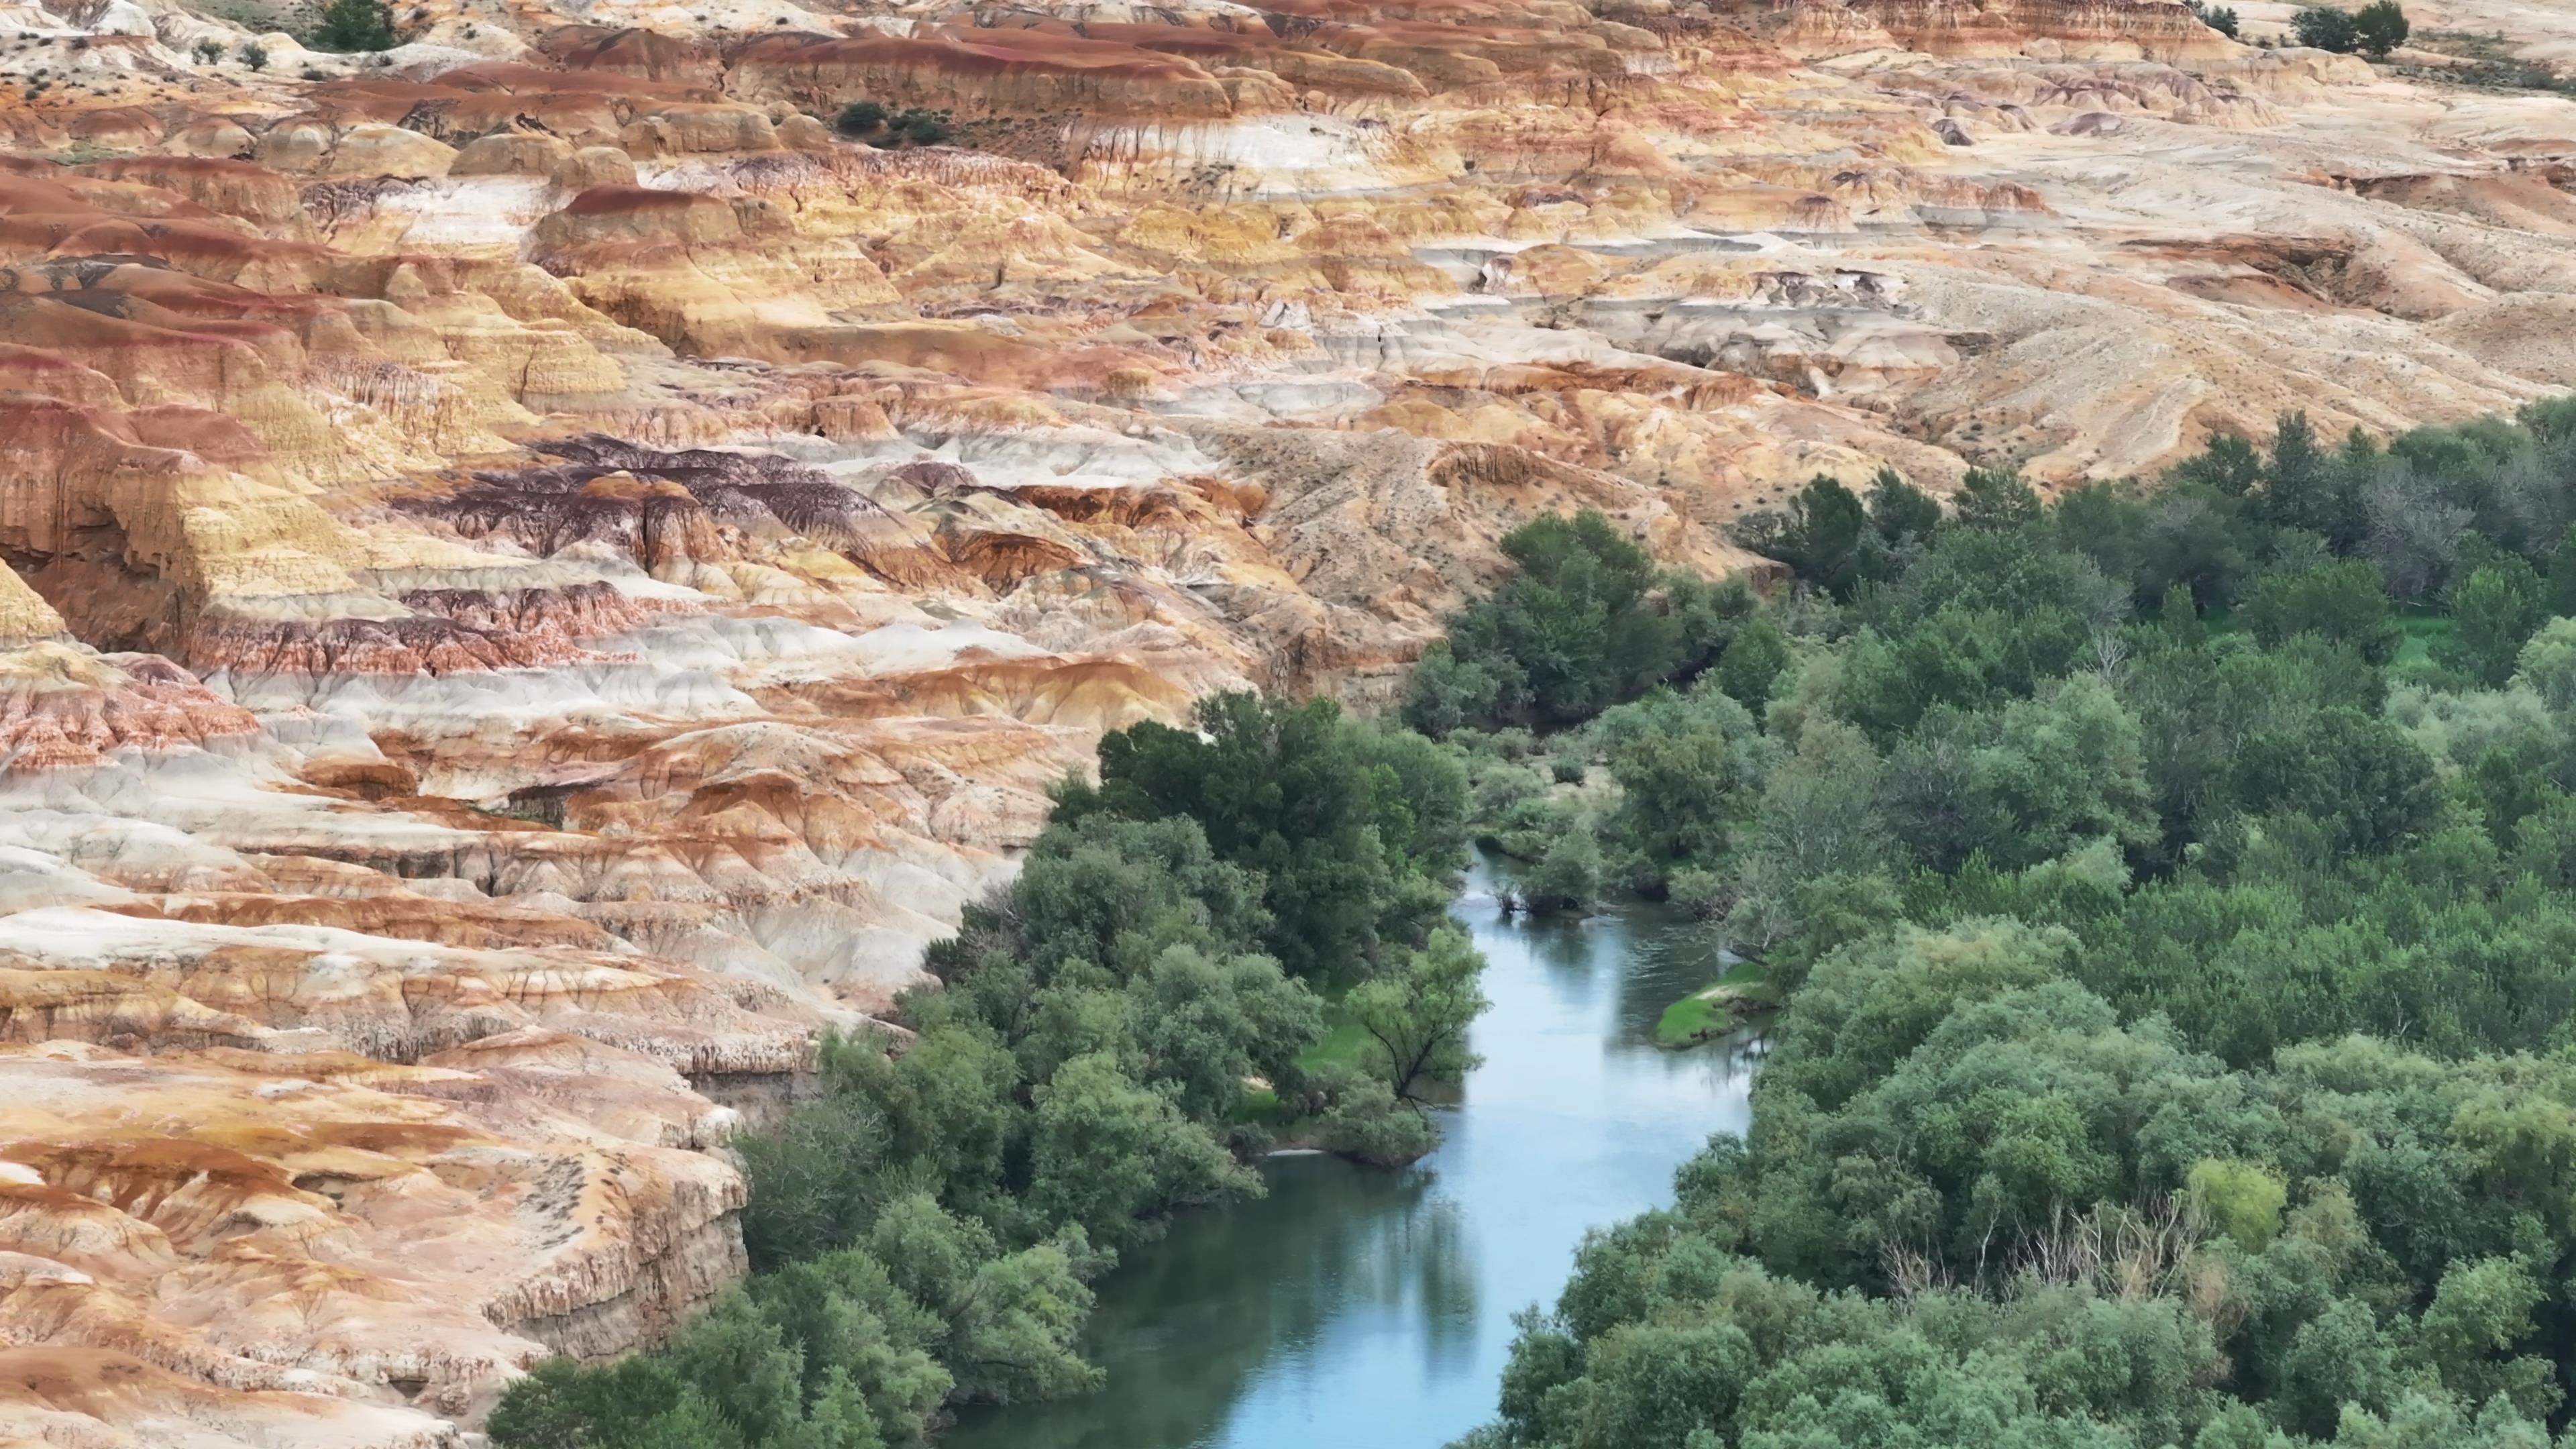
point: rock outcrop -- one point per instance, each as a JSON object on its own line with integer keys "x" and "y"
{"x": 536, "y": 572}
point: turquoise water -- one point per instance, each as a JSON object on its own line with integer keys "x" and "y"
{"x": 1367, "y": 1309}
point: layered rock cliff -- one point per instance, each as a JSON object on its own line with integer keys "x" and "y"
{"x": 538, "y": 574}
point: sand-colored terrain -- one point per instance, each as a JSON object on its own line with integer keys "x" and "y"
{"x": 538, "y": 575}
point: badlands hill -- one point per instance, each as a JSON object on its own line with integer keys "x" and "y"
{"x": 537, "y": 575}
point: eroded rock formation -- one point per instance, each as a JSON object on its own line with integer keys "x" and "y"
{"x": 537, "y": 574}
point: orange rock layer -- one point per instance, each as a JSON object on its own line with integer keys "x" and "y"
{"x": 535, "y": 574}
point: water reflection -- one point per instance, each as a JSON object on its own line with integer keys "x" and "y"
{"x": 1364, "y": 1308}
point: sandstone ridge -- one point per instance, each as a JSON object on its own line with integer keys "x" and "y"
{"x": 536, "y": 573}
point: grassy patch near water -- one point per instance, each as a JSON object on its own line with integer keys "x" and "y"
{"x": 1711, "y": 1010}
{"x": 1343, "y": 1044}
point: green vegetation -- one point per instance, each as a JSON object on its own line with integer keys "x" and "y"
{"x": 2380, "y": 27}
{"x": 2326, "y": 27}
{"x": 871, "y": 122}
{"x": 1585, "y": 623}
{"x": 354, "y": 25}
{"x": 2217, "y": 18}
{"x": 1355, "y": 830}
{"x": 924, "y": 1230}
{"x": 2180, "y": 1045}
{"x": 1712, "y": 1010}
{"x": 2490, "y": 64}
{"x": 1694, "y": 1018}
{"x": 2374, "y": 30}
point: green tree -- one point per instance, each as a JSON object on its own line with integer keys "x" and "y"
{"x": 1364, "y": 1121}
{"x": 2561, "y": 592}
{"x": 1446, "y": 693}
{"x": 1271, "y": 785}
{"x": 856, "y": 1333}
{"x": 2491, "y": 615}
{"x": 1664, "y": 1387}
{"x": 2304, "y": 487}
{"x": 2379, "y": 27}
{"x": 2226, "y": 463}
{"x": 2027, "y": 782}
{"x": 1204, "y": 1024}
{"x": 2240, "y": 1199}
{"x": 562, "y": 1405}
{"x": 355, "y": 25}
{"x": 1113, "y": 1157}
{"x": 814, "y": 1179}
{"x": 1996, "y": 499}
{"x": 949, "y": 1102}
{"x": 1753, "y": 663}
{"x": 1567, "y": 877}
{"x": 1113, "y": 892}
{"x": 2343, "y": 601}
{"x": 2547, "y": 664}
{"x": 1011, "y": 1321}
{"x": 1418, "y": 798}
{"x": 1416, "y": 1016}
{"x": 2326, "y": 28}
{"x": 1584, "y": 622}
{"x": 1901, "y": 513}
{"x": 1819, "y": 536}
{"x": 2364, "y": 783}
{"x": 1685, "y": 766}
{"x": 2479, "y": 1314}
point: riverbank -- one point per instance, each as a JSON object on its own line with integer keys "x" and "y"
{"x": 1373, "y": 1307}
{"x": 1739, "y": 1000}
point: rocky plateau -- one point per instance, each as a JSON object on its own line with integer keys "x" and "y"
{"x": 537, "y": 574}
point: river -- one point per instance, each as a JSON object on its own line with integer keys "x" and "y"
{"x": 1366, "y": 1309}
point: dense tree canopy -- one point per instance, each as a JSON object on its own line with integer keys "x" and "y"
{"x": 2175, "y": 887}
{"x": 1354, "y": 830}
{"x": 1585, "y": 622}
{"x": 925, "y": 1228}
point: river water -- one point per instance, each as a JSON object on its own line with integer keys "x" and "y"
{"x": 1355, "y": 1308}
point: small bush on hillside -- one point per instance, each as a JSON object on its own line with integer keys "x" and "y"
{"x": 871, "y": 122}
{"x": 858, "y": 118}
{"x": 915, "y": 127}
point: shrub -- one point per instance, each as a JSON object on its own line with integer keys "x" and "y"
{"x": 255, "y": 55}
{"x": 1568, "y": 878}
{"x": 1703, "y": 893}
{"x": 858, "y": 118}
{"x": 914, "y": 127}
{"x": 208, "y": 51}
{"x": 2240, "y": 1199}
